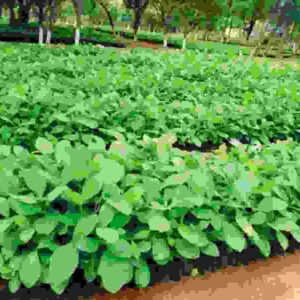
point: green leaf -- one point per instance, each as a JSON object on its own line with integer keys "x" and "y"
{"x": 114, "y": 271}
{"x": 89, "y": 268}
{"x": 88, "y": 244}
{"x": 263, "y": 245}
{"x": 105, "y": 215}
{"x": 35, "y": 180}
{"x": 14, "y": 285}
{"x": 44, "y": 226}
{"x": 159, "y": 223}
{"x": 63, "y": 263}
{"x": 56, "y": 192}
{"x": 284, "y": 242}
{"x": 44, "y": 146}
{"x": 111, "y": 171}
{"x": 26, "y": 235}
{"x": 121, "y": 248}
{"x": 144, "y": 246}
{"x": 160, "y": 249}
{"x": 272, "y": 203}
{"x": 284, "y": 224}
{"x": 85, "y": 226}
{"x": 122, "y": 206}
{"x": 70, "y": 219}
{"x": 30, "y": 270}
{"x": 176, "y": 179}
{"x": 4, "y": 224}
{"x": 108, "y": 234}
{"x": 192, "y": 235}
{"x": 62, "y": 152}
{"x": 211, "y": 249}
{"x": 59, "y": 287}
{"x": 294, "y": 178}
{"x": 258, "y": 218}
{"x": 134, "y": 194}
{"x": 186, "y": 249}
{"x": 4, "y": 207}
{"x": 233, "y": 237}
{"x": 142, "y": 235}
{"x": 142, "y": 274}
{"x": 5, "y": 150}
{"x": 91, "y": 187}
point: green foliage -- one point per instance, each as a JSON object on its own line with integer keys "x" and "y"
{"x": 58, "y": 155}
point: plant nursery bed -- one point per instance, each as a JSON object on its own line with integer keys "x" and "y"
{"x": 182, "y": 273}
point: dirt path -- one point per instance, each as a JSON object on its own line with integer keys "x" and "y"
{"x": 277, "y": 278}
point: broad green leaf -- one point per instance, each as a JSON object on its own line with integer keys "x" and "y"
{"x": 105, "y": 215}
{"x": 114, "y": 271}
{"x": 91, "y": 187}
{"x": 258, "y": 218}
{"x": 296, "y": 235}
{"x": 134, "y": 194}
{"x": 176, "y": 179}
{"x": 141, "y": 235}
{"x": 186, "y": 249}
{"x": 233, "y": 237}
{"x": 21, "y": 221}
{"x": 272, "y": 203}
{"x": 108, "y": 234}
{"x": 62, "y": 151}
{"x": 193, "y": 235}
{"x": 263, "y": 245}
{"x": 34, "y": 180}
{"x": 5, "y": 150}
{"x": 284, "y": 224}
{"x": 14, "y": 285}
{"x": 59, "y": 288}
{"x": 29, "y": 199}
{"x": 284, "y": 242}
{"x": 44, "y": 226}
{"x": 160, "y": 249}
{"x": 86, "y": 225}
{"x": 56, "y": 192}
{"x": 44, "y": 146}
{"x": 211, "y": 249}
{"x": 97, "y": 145}
{"x": 30, "y": 271}
{"x": 121, "y": 248}
{"x": 294, "y": 178}
{"x": 90, "y": 271}
{"x": 4, "y": 207}
{"x": 88, "y": 244}
{"x": 70, "y": 219}
{"x": 159, "y": 223}
{"x": 123, "y": 207}
{"x": 142, "y": 274}
{"x": 144, "y": 246}
{"x": 63, "y": 263}
{"x": 26, "y": 235}
{"x": 111, "y": 171}
{"x": 4, "y": 224}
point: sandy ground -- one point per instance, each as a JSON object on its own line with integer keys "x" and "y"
{"x": 277, "y": 278}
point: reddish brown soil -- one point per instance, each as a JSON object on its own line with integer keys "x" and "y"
{"x": 277, "y": 278}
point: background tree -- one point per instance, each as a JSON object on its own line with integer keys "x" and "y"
{"x": 138, "y": 7}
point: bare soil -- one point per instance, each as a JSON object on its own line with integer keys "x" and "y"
{"x": 276, "y": 278}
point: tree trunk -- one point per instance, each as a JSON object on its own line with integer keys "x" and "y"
{"x": 12, "y": 18}
{"x": 110, "y": 19}
{"x": 251, "y": 26}
{"x": 41, "y": 35}
{"x": 184, "y": 41}
{"x": 78, "y": 23}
